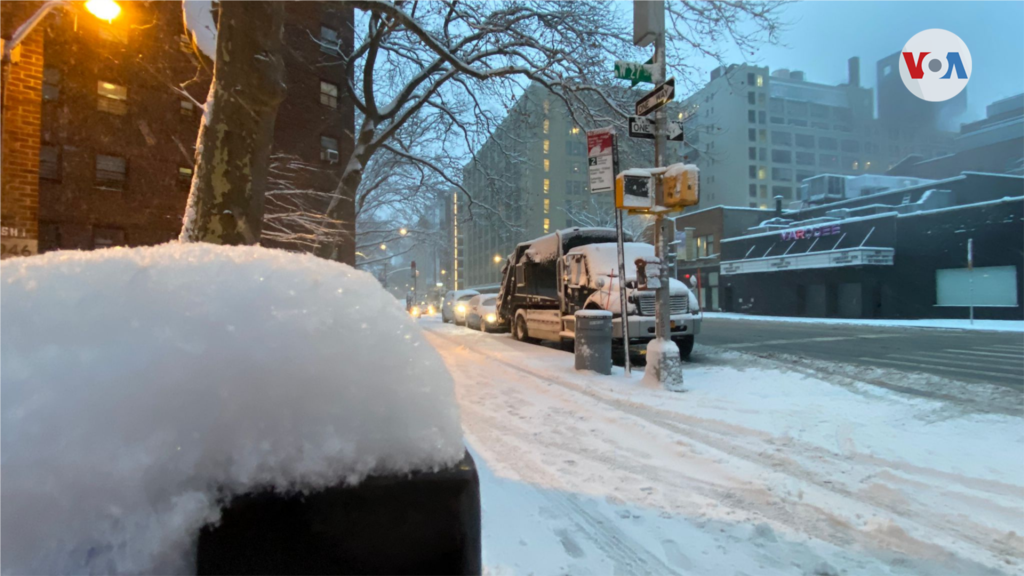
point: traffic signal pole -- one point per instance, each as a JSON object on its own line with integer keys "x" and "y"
{"x": 667, "y": 366}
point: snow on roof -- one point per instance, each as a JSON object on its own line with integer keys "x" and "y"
{"x": 143, "y": 387}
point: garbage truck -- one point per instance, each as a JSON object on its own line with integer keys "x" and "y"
{"x": 546, "y": 280}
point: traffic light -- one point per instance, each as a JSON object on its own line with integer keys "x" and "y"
{"x": 413, "y": 268}
{"x": 682, "y": 185}
{"x": 634, "y": 190}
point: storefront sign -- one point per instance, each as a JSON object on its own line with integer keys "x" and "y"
{"x": 829, "y": 259}
{"x": 811, "y": 232}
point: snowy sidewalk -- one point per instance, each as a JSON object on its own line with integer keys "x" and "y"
{"x": 752, "y": 470}
{"x": 949, "y": 324}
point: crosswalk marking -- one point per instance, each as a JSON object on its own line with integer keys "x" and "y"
{"x": 965, "y": 354}
{"x": 887, "y": 361}
{"x": 983, "y": 353}
{"x": 802, "y": 340}
{"x": 947, "y": 360}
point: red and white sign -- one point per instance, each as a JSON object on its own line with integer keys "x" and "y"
{"x": 601, "y": 159}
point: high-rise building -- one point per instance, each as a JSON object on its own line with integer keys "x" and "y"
{"x": 898, "y": 107}
{"x": 120, "y": 111}
{"x": 529, "y": 179}
{"x": 756, "y": 134}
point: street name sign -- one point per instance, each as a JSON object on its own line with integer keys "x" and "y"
{"x": 642, "y": 127}
{"x": 656, "y": 98}
{"x": 634, "y": 71}
{"x": 601, "y": 159}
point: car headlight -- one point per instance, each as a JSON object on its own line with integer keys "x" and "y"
{"x": 461, "y": 309}
{"x": 415, "y": 311}
{"x": 430, "y": 310}
{"x": 491, "y": 318}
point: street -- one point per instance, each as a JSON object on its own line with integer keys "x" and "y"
{"x": 973, "y": 356}
{"x": 755, "y": 468}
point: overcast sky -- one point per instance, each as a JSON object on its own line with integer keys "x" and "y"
{"x": 824, "y": 35}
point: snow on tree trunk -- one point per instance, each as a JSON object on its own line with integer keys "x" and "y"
{"x": 225, "y": 205}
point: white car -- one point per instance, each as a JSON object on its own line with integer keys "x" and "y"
{"x": 451, "y": 304}
{"x": 482, "y": 313}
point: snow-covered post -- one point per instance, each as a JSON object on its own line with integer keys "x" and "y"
{"x": 225, "y": 204}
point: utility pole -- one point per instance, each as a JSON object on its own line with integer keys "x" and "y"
{"x": 667, "y": 365}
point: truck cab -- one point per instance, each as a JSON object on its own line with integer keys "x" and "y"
{"x": 545, "y": 281}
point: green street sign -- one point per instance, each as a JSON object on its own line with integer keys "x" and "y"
{"x": 633, "y": 71}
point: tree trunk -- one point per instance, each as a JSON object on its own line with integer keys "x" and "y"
{"x": 225, "y": 205}
{"x": 340, "y": 245}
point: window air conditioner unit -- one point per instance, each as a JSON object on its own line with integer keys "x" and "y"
{"x": 332, "y": 156}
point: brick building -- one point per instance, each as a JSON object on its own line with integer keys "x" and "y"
{"x": 117, "y": 136}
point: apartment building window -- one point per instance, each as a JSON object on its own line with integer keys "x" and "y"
{"x": 752, "y": 153}
{"x": 751, "y": 98}
{"x": 797, "y": 122}
{"x": 801, "y": 176}
{"x": 328, "y": 94}
{"x": 784, "y": 191}
{"x": 751, "y": 116}
{"x": 577, "y": 167}
{"x": 762, "y": 154}
{"x": 819, "y": 125}
{"x": 851, "y": 146}
{"x": 763, "y": 190}
{"x": 547, "y": 146}
{"x": 111, "y": 98}
{"x": 794, "y": 108}
{"x": 782, "y": 156}
{"x": 807, "y": 141}
{"x": 819, "y": 111}
{"x": 778, "y": 120}
{"x": 547, "y": 125}
{"x": 805, "y": 159}
{"x": 51, "y": 84}
{"x": 547, "y": 225}
{"x": 750, "y": 78}
{"x": 547, "y": 185}
{"x": 49, "y": 162}
{"x": 760, "y": 80}
{"x": 762, "y": 173}
{"x": 826, "y": 143}
{"x": 547, "y": 106}
{"x": 328, "y": 40}
{"x": 705, "y": 246}
{"x": 187, "y": 108}
{"x": 761, "y": 99}
{"x": 547, "y": 165}
{"x": 829, "y": 160}
{"x": 855, "y": 165}
{"x": 111, "y": 172}
{"x": 782, "y": 174}
{"x": 547, "y": 205}
{"x": 761, "y": 117}
{"x": 762, "y": 136}
{"x": 752, "y": 134}
{"x": 752, "y": 171}
{"x": 753, "y": 190}
{"x": 329, "y": 149}
{"x": 776, "y": 105}
{"x": 184, "y": 174}
{"x": 782, "y": 138}
{"x": 753, "y": 204}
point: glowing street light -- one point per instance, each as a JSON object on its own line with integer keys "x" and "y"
{"x": 103, "y": 9}
{"x": 443, "y": 272}
{"x": 403, "y": 231}
{"x": 383, "y": 246}
{"x": 497, "y": 259}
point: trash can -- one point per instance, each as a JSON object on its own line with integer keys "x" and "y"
{"x": 594, "y": 341}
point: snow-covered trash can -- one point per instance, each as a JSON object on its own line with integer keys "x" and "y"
{"x": 594, "y": 341}
{"x": 149, "y": 393}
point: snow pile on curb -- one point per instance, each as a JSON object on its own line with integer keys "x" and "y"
{"x": 143, "y": 387}
{"x": 944, "y": 323}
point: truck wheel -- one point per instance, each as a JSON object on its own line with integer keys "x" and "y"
{"x": 685, "y": 345}
{"x": 520, "y": 332}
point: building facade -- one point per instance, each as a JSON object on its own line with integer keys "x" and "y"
{"x": 120, "y": 110}
{"x": 530, "y": 178}
{"x": 898, "y": 253}
{"x": 756, "y": 134}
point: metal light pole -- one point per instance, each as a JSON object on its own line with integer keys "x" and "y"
{"x": 667, "y": 366}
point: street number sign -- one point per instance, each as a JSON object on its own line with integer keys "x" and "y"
{"x": 635, "y": 72}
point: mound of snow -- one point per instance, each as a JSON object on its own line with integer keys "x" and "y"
{"x": 143, "y": 387}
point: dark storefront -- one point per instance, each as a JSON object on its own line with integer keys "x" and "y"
{"x": 886, "y": 265}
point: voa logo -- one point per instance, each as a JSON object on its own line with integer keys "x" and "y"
{"x": 935, "y": 65}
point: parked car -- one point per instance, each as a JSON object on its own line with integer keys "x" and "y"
{"x": 481, "y": 313}
{"x": 451, "y": 299}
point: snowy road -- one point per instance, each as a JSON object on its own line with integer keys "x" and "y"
{"x": 753, "y": 470}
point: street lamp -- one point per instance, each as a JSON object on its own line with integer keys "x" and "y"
{"x": 103, "y": 9}
{"x": 497, "y": 259}
{"x": 383, "y": 246}
{"x": 403, "y": 231}
{"x": 443, "y": 272}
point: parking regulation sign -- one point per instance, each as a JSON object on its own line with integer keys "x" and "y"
{"x": 601, "y": 157}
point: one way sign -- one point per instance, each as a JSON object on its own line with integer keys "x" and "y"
{"x": 656, "y": 98}
{"x": 640, "y": 127}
